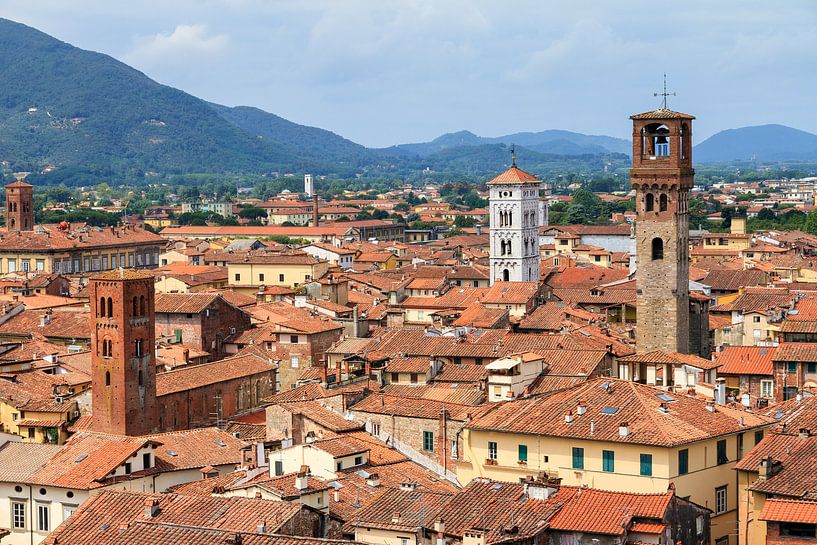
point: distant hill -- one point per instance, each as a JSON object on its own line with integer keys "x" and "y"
{"x": 551, "y": 141}
{"x": 762, "y": 143}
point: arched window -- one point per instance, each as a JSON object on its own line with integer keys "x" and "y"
{"x": 510, "y": 217}
{"x": 102, "y": 307}
{"x": 663, "y": 202}
{"x": 135, "y": 307}
{"x": 107, "y": 378}
{"x": 110, "y": 307}
{"x": 141, "y": 305}
{"x": 657, "y": 248}
{"x": 141, "y": 378}
{"x": 12, "y": 222}
{"x": 506, "y": 275}
{"x": 649, "y": 202}
{"x": 137, "y": 347}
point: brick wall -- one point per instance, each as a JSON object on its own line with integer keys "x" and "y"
{"x": 773, "y": 537}
{"x": 205, "y": 330}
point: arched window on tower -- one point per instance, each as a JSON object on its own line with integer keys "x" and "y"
{"x": 506, "y": 275}
{"x": 141, "y": 305}
{"x": 649, "y": 202}
{"x": 107, "y": 378}
{"x": 101, "y": 307}
{"x": 141, "y": 378}
{"x": 657, "y": 248}
{"x": 663, "y": 202}
{"x": 135, "y": 307}
{"x": 110, "y": 307}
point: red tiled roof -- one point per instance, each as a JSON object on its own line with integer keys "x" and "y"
{"x": 248, "y": 363}
{"x": 672, "y": 358}
{"x": 514, "y": 175}
{"x": 745, "y": 360}
{"x": 602, "y": 512}
{"x": 518, "y": 293}
{"x": 798, "y": 352}
{"x": 786, "y": 510}
{"x": 687, "y": 420}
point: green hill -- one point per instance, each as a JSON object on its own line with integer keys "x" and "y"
{"x": 760, "y": 143}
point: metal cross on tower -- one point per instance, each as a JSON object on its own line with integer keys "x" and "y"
{"x": 513, "y": 155}
{"x": 664, "y": 95}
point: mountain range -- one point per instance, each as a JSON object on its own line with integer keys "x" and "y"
{"x": 83, "y": 111}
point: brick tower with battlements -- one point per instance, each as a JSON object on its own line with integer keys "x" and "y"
{"x": 123, "y": 370}
{"x": 662, "y": 176}
{"x": 19, "y": 206}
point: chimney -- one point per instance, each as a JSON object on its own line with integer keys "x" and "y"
{"x": 768, "y": 468}
{"x": 408, "y": 486}
{"x": 186, "y": 355}
{"x": 568, "y": 418}
{"x": 478, "y": 229}
{"x": 336, "y": 496}
{"x": 623, "y": 429}
{"x": 439, "y": 526}
{"x": 262, "y": 527}
{"x": 315, "y": 214}
{"x": 710, "y": 405}
{"x": 581, "y": 408}
{"x": 395, "y": 517}
{"x": 302, "y": 479}
{"x": 663, "y": 408}
{"x": 151, "y": 507}
{"x": 373, "y": 480}
{"x": 720, "y": 391}
{"x": 804, "y": 433}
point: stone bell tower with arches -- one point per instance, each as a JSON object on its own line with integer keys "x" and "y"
{"x": 662, "y": 176}
{"x": 514, "y": 219}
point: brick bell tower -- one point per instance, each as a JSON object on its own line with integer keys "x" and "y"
{"x": 19, "y": 206}
{"x": 123, "y": 370}
{"x": 662, "y": 176}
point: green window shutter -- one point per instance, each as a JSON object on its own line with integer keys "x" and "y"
{"x": 722, "y": 457}
{"x": 178, "y": 333}
{"x": 608, "y": 461}
{"x": 523, "y": 453}
{"x": 578, "y": 458}
{"x": 683, "y": 462}
{"x": 646, "y": 465}
{"x": 428, "y": 441}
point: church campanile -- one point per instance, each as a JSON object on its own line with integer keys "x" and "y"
{"x": 662, "y": 176}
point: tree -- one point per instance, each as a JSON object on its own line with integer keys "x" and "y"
{"x": 766, "y": 214}
{"x": 465, "y": 221}
{"x": 252, "y": 213}
{"x": 810, "y": 225}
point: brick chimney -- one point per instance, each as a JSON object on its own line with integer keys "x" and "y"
{"x": 315, "y": 209}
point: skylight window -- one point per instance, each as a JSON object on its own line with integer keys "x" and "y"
{"x": 609, "y": 410}
{"x": 664, "y": 397}
{"x": 497, "y": 486}
{"x": 221, "y": 443}
{"x": 80, "y": 458}
{"x": 362, "y": 473}
{"x": 171, "y": 453}
{"x": 336, "y": 485}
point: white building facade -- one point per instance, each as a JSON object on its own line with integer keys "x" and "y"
{"x": 514, "y": 217}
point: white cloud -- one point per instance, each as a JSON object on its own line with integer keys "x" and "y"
{"x": 184, "y": 43}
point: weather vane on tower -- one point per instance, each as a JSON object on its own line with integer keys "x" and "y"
{"x": 664, "y": 95}
{"x": 513, "y": 155}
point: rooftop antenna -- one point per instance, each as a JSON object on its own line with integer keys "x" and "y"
{"x": 664, "y": 95}
{"x": 513, "y": 155}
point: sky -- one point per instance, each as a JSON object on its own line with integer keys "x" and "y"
{"x": 384, "y": 72}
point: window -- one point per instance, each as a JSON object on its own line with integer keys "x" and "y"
{"x": 294, "y": 361}
{"x": 146, "y": 460}
{"x": 756, "y": 319}
{"x": 428, "y": 441}
{"x": 766, "y": 388}
{"x": 792, "y": 367}
{"x": 811, "y": 367}
{"x": 722, "y": 540}
{"x": 395, "y": 377}
{"x": 578, "y": 458}
{"x": 31, "y": 433}
{"x": 758, "y": 436}
{"x": 107, "y": 378}
{"x": 720, "y": 500}
{"x": 43, "y": 522}
{"x": 523, "y": 453}
{"x": 492, "y": 450}
{"x": 178, "y": 333}
{"x": 649, "y": 203}
{"x": 358, "y": 460}
{"x": 645, "y": 468}
{"x": 722, "y": 457}
{"x": 798, "y": 529}
{"x": 608, "y": 461}
{"x": 281, "y": 277}
{"x": 40, "y": 265}
{"x": 127, "y": 468}
{"x": 12, "y": 265}
{"x": 18, "y": 514}
{"x": 375, "y": 428}
{"x": 238, "y": 277}
{"x": 657, "y": 248}
{"x": 683, "y": 462}
{"x": 260, "y": 277}
{"x": 414, "y": 378}
{"x": 663, "y": 202}
{"x": 293, "y": 339}
{"x": 68, "y": 510}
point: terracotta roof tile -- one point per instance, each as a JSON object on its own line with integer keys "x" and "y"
{"x": 785, "y": 510}
{"x": 514, "y": 175}
{"x": 248, "y": 363}
{"x": 745, "y": 360}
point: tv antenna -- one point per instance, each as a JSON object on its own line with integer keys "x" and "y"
{"x": 664, "y": 95}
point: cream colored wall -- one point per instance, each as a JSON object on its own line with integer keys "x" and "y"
{"x": 513, "y": 310}
{"x": 171, "y": 285}
{"x": 704, "y": 476}
{"x": 294, "y": 275}
{"x": 419, "y": 315}
{"x": 383, "y": 537}
{"x": 751, "y": 531}
{"x": 405, "y": 378}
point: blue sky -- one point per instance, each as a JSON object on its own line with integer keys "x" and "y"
{"x": 382, "y": 72}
